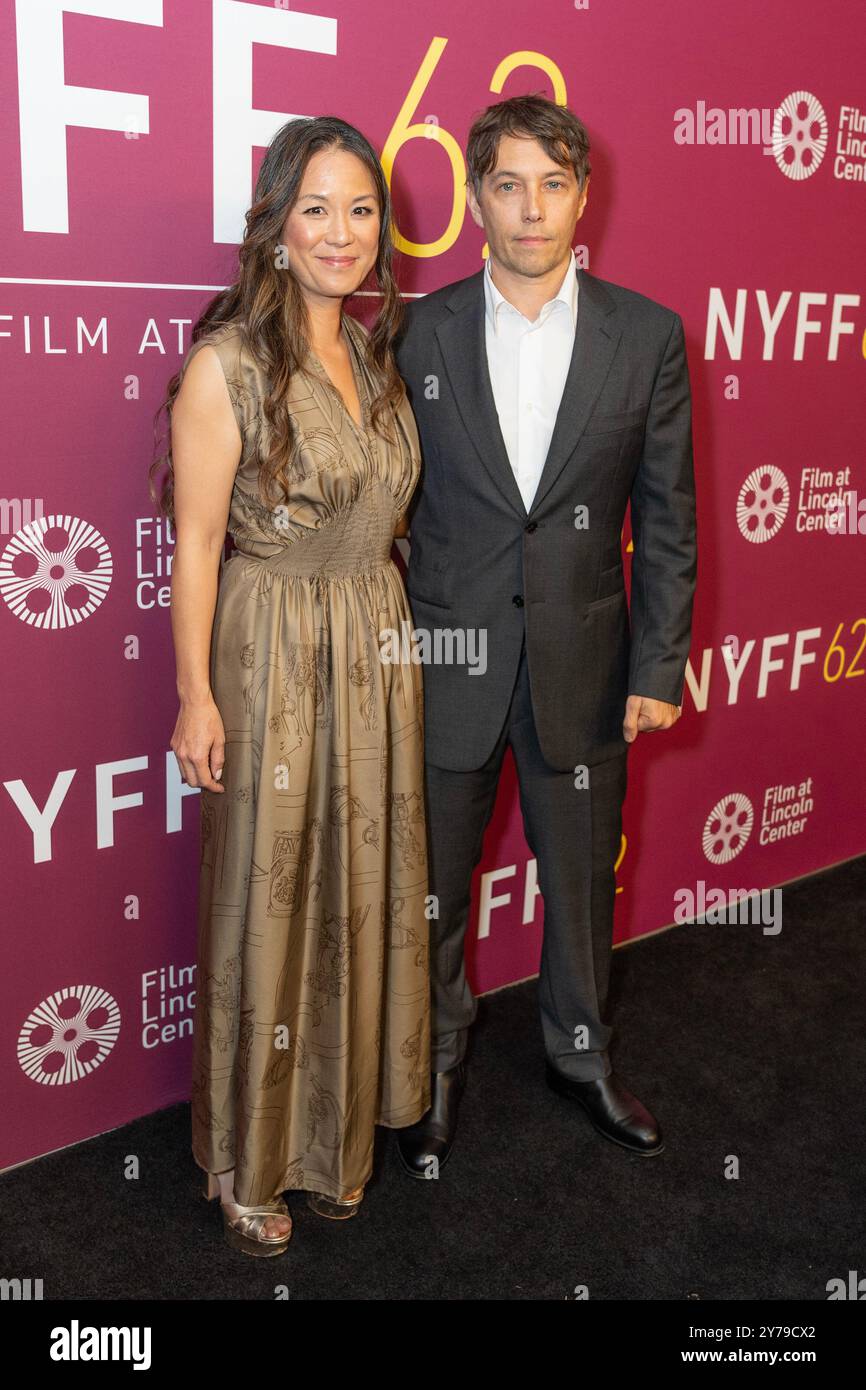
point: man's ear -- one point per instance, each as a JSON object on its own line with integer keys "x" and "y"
{"x": 472, "y": 202}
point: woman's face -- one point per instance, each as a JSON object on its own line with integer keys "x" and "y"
{"x": 331, "y": 234}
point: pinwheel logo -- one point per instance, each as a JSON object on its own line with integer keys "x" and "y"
{"x": 55, "y": 571}
{"x": 68, "y": 1035}
{"x": 727, "y": 828}
{"x": 762, "y": 504}
{"x": 799, "y": 137}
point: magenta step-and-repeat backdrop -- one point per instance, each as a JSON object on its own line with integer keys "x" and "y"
{"x": 728, "y": 152}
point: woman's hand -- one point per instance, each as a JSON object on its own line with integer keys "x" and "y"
{"x": 199, "y": 744}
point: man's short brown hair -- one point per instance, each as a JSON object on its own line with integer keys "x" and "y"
{"x": 562, "y": 136}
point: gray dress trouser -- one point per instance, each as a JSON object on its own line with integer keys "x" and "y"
{"x": 574, "y": 835}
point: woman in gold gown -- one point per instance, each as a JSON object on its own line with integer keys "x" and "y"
{"x": 290, "y": 427}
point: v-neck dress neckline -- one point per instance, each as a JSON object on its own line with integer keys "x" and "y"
{"x": 360, "y": 382}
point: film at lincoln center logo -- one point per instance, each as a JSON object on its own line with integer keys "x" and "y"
{"x": 799, "y": 135}
{"x": 68, "y": 1035}
{"x": 55, "y": 571}
{"x": 762, "y": 504}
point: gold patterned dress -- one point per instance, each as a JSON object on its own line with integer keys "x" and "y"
{"x": 312, "y": 1020}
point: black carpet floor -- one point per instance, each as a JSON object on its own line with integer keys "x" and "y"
{"x": 746, "y": 1047}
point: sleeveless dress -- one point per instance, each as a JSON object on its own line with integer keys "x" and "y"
{"x": 312, "y": 1020}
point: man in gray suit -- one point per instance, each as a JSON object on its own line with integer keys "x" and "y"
{"x": 545, "y": 398}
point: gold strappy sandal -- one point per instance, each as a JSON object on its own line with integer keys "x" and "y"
{"x": 244, "y": 1225}
{"x": 338, "y": 1209}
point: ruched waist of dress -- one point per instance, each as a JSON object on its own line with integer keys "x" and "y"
{"x": 352, "y": 542}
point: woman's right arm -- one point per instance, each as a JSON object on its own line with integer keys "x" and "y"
{"x": 206, "y": 450}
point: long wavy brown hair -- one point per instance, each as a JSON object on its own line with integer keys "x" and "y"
{"x": 268, "y": 306}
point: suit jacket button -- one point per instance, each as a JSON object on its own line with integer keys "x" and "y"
{"x": 531, "y": 526}
{"x": 517, "y": 600}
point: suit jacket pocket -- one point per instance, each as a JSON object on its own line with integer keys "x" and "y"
{"x": 604, "y": 422}
{"x": 609, "y": 601}
{"x": 429, "y": 582}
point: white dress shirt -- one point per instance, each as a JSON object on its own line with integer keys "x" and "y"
{"x": 528, "y": 364}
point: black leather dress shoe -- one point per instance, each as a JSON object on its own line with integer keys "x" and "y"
{"x": 613, "y": 1110}
{"x": 433, "y": 1135}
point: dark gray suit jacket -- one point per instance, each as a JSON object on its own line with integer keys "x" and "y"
{"x": 480, "y": 560}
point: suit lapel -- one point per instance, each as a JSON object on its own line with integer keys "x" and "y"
{"x": 464, "y": 351}
{"x": 596, "y": 339}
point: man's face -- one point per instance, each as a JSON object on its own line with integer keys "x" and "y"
{"x": 529, "y": 207}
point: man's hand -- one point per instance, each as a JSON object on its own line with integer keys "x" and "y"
{"x": 644, "y": 715}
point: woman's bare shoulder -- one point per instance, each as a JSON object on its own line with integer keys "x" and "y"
{"x": 229, "y": 344}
